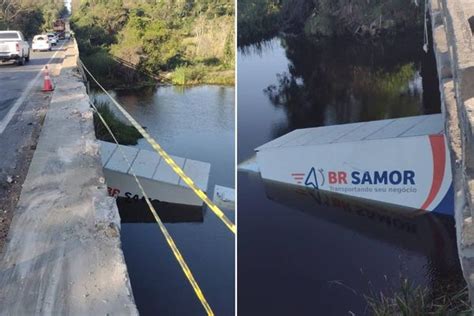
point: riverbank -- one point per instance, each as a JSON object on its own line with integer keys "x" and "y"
{"x": 198, "y": 75}
{"x": 117, "y": 76}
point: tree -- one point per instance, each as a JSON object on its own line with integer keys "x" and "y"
{"x": 29, "y": 16}
{"x": 158, "y": 35}
{"x": 10, "y": 9}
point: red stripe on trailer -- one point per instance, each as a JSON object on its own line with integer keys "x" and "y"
{"x": 439, "y": 164}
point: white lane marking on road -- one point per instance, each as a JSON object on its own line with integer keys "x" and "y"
{"x": 21, "y": 99}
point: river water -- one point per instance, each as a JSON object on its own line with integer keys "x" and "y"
{"x": 298, "y": 258}
{"x": 196, "y": 123}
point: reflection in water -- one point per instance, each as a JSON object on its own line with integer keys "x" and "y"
{"x": 326, "y": 257}
{"x": 353, "y": 82}
{"x": 429, "y": 235}
{"x": 426, "y": 234}
{"x": 137, "y": 211}
{"x": 292, "y": 251}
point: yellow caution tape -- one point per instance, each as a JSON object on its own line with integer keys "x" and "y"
{"x": 169, "y": 239}
{"x": 170, "y": 161}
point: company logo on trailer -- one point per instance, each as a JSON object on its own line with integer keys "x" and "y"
{"x": 317, "y": 178}
{"x": 391, "y": 177}
{"x": 422, "y": 184}
{"x": 314, "y": 178}
{"x": 298, "y": 177}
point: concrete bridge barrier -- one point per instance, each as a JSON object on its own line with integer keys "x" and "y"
{"x": 454, "y": 51}
{"x": 64, "y": 255}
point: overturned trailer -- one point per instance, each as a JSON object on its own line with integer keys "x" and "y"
{"x": 402, "y": 161}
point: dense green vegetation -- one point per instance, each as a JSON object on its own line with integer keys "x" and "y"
{"x": 326, "y": 18}
{"x": 186, "y": 42}
{"x": 30, "y": 16}
{"x": 125, "y": 134}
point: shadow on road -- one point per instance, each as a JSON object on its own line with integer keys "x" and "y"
{"x": 46, "y": 60}
{"x": 33, "y": 62}
{"x": 8, "y": 64}
{"x": 5, "y": 106}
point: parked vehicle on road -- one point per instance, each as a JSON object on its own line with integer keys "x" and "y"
{"x": 67, "y": 32}
{"x": 60, "y": 35}
{"x": 41, "y": 42}
{"x": 13, "y": 46}
{"x": 53, "y": 39}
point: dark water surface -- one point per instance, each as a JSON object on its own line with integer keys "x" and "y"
{"x": 296, "y": 257}
{"x": 196, "y": 123}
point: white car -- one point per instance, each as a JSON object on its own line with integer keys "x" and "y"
{"x": 13, "y": 46}
{"x": 53, "y": 39}
{"x": 41, "y": 42}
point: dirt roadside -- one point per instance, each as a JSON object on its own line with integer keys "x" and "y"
{"x": 18, "y": 143}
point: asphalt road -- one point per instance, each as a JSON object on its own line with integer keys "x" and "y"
{"x": 23, "y": 107}
{"x": 16, "y": 81}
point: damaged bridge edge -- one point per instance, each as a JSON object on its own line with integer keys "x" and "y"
{"x": 453, "y": 45}
{"x": 107, "y": 214}
{"x": 63, "y": 253}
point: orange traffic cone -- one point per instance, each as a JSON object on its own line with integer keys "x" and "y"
{"x": 48, "y": 84}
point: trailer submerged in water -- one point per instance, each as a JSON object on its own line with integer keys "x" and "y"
{"x": 158, "y": 179}
{"x": 403, "y": 161}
